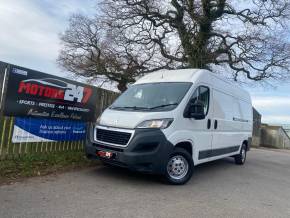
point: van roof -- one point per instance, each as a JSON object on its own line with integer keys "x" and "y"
{"x": 184, "y": 75}
{"x": 195, "y": 75}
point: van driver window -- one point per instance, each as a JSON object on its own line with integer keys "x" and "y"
{"x": 201, "y": 94}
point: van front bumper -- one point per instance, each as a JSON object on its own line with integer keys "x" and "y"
{"x": 148, "y": 151}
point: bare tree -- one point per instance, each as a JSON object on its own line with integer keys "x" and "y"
{"x": 92, "y": 50}
{"x": 248, "y": 37}
{"x": 244, "y": 35}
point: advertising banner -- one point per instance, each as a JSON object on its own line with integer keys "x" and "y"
{"x": 46, "y": 130}
{"x": 35, "y": 94}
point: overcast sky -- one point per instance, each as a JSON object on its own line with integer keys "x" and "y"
{"x": 30, "y": 37}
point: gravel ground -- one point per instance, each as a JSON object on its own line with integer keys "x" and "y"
{"x": 260, "y": 188}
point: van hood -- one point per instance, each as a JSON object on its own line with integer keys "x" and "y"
{"x": 130, "y": 119}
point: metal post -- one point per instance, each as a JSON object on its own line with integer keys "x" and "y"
{"x": 3, "y": 88}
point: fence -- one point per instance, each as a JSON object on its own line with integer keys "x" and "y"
{"x": 9, "y": 150}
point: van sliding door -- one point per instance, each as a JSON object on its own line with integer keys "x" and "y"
{"x": 227, "y": 131}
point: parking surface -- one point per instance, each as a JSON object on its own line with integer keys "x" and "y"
{"x": 261, "y": 188}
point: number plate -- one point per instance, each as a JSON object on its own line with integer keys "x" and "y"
{"x": 105, "y": 154}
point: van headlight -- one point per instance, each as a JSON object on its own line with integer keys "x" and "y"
{"x": 156, "y": 124}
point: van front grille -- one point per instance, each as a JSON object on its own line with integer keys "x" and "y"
{"x": 113, "y": 137}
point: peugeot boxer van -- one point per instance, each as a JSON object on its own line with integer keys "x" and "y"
{"x": 170, "y": 121}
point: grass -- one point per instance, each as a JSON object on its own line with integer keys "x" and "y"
{"x": 42, "y": 164}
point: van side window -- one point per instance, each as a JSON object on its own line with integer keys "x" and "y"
{"x": 201, "y": 94}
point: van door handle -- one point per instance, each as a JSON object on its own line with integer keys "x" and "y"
{"x": 208, "y": 123}
{"x": 215, "y": 124}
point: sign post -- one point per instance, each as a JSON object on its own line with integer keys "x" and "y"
{"x": 3, "y": 76}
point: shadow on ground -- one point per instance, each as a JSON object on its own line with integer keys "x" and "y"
{"x": 200, "y": 172}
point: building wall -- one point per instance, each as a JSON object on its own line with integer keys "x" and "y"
{"x": 256, "y": 138}
{"x": 274, "y": 137}
{"x": 268, "y": 138}
{"x": 284, "y": 139}
{"x": 287, "y": 129}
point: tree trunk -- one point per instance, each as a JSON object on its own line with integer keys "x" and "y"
{"x": 122, "y": 86}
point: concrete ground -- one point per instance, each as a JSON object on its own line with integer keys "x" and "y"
{"x": 261, "y": 188}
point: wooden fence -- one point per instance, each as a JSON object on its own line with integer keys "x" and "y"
{"x": 9, "y": 150}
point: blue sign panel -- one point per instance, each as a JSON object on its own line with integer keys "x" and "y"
{"x": 36, "y": 130}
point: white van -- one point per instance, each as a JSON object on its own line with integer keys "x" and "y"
{"x": 170, "y": 121}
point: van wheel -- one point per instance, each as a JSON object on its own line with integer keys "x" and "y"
{"x": 240, "y": 159}
{"x": 179, "y": 167}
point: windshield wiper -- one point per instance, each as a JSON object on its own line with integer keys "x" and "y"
{"x": 131, "y": 107}
{"x": 144, "y": 108}
{"x": 163, "y": 105}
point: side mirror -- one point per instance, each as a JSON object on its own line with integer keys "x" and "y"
{"x": 196, "y": 110}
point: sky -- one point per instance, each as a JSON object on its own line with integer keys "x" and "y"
{"x": 30, "y": 38}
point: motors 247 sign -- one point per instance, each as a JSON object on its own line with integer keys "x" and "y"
{"x": 36, "y": 94}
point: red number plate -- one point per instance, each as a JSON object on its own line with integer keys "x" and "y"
{"x": 105, "y": 154}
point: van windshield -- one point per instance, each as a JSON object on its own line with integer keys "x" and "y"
{"x": 152, "y": 96}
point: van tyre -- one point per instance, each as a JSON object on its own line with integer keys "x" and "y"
{"x": 179, "y": 167}
{"x": 240, "y": 159}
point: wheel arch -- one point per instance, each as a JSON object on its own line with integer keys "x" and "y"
{"x": 187, "y": 145}
{"x": 246, "y": 143}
